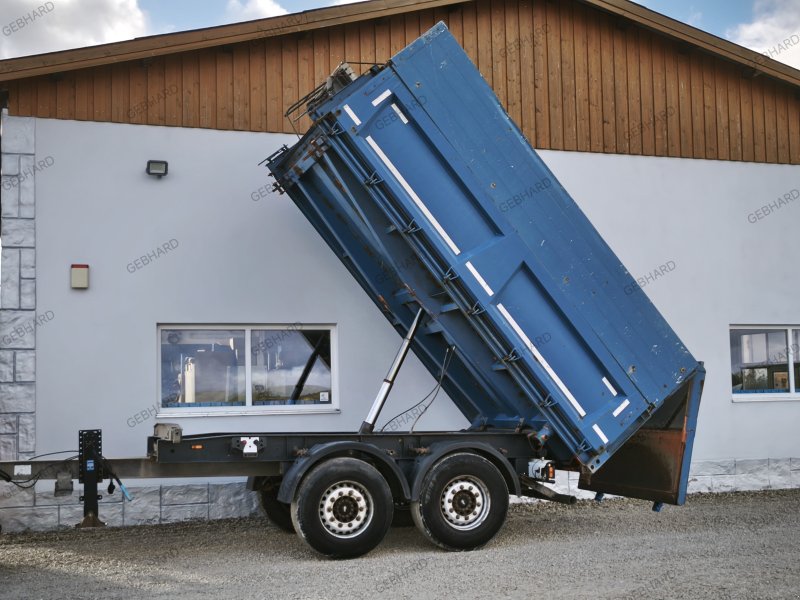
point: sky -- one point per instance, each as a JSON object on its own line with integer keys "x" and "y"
{"x": 769, "y": 26}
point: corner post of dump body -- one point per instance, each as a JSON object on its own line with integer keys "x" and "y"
{"x": 368, "y": 425}
{"x": 692, "y": 413}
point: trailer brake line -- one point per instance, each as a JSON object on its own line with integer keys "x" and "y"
{"x": 29, "y": 483}
{"x": 114, "y": 477}
{"x": 445, "y": 364}
{"x": 447, "y": 358}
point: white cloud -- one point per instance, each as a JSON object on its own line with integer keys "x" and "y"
{"x": 774, "y": 30}
{"x": 65, "y": 24}
{"x": 695, "y": 17}
{"x": 248, "y": 10}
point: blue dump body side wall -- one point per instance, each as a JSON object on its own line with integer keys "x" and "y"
{"x": 430, "y": 195}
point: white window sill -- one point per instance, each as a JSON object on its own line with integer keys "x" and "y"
{"x": 251, "y": 412}
{"x": 766, "y": 398}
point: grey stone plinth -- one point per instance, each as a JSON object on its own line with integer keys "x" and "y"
{"x": 29, "y": 519}
{"x": 70, "y": 515}
{"x": 17, "y": 329}
{"x": 27, "y": 294}
{"x": 6, "y": 367}
{"x": 699, "y": 484}
{"x": 184, "y": 512}
{"x": 145, "y": 509}
{"x": 19, "y": 135}
{"x": 10, "y": 283}
{"x": 751, "y": 466}
{"x": 714, "y": 467}
{"x": 8, "y": 424}
{"x": 184, "y": 494}
{"x": 27, "y": 196}
{"x": 25, "y": 365}
{"x": 9, "y": 189}
{"x": 8, "y": 447}
{"x": 48, "y": 497}
{"x": 724, "y": 483}
{"x": 10, "y": 164}
{"x": 18, "y": 233}
{"x": 27, "y": 432}
{"x": 562, "y": 482}
{"x": 17, "y": 397}
{"x": 780, "y": 474}
{"x": 27, "y": 263}
{"x": 231, "y": 500}
{"x": 13, "y": 496}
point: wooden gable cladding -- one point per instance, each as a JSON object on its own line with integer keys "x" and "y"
{"x": 572, "y": 76}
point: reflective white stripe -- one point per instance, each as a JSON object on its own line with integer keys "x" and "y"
{"x": 610, "y": 387}
{"x": 382, "y": 97}
{"x": 400, "y": 114}
{"x": 600, "y": 433}
{"x": 421, "y": 205}
{"x": 620, "y": 408}
{"x": 541, "y": 360}
{"x": 480, "y": 279}
{"x": 350, "y": 112}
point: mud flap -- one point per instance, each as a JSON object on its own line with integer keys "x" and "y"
{"x": 654, "y": 463}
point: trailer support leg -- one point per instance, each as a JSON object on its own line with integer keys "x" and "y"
{"x": 369, "y": 424}
{"x": 90, "y": 473}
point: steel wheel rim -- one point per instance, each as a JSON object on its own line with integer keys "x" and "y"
{"x": 346, "y": 509}
{"x": 465, "y": 503}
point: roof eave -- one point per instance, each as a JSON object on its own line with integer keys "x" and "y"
{"x": 159, "y": 45}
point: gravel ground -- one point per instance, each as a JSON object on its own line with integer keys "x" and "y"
{"x": 742, "y": 545}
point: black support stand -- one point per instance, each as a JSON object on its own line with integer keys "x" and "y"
{"x": 90, "y": 473}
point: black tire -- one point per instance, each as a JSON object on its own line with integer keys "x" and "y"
{"x": 278, "y": 513}
{"x": 351, "y": 490}
{"x": 463, "y": 502}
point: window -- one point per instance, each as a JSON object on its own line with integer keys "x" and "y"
{"x": 239, "y": 370}
{"x": 765, "y": 363}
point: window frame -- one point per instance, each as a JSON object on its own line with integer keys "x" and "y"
{"x": 249, "y": 409}
{"x": 790, "y": 396}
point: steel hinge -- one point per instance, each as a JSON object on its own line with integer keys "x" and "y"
{"x": 373, "y": 179}
{"x": 412, "y": 227}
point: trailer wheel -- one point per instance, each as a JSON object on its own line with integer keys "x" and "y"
{"x": 463, "y": 502}
{"x": 278, "y": 513}
{"x": 343, "y": 508}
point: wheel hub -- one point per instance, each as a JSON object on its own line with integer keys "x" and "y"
{"x": 465, "y": 503}
{"x": 346, "y": 509}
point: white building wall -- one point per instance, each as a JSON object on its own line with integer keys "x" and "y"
{"x": 728, "y": 270}
{"x": 244, "y": 256}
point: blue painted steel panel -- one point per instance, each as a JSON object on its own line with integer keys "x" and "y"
{"x": 431, "y": 196}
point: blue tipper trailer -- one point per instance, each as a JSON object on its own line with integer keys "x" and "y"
{"x": 437, "y": 205}
{"x": 430, "y": 195}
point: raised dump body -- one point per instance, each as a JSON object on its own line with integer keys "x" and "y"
{"x": 430, "y": 195}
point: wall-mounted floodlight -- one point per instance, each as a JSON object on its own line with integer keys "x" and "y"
{"x": 158, "y": 168}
